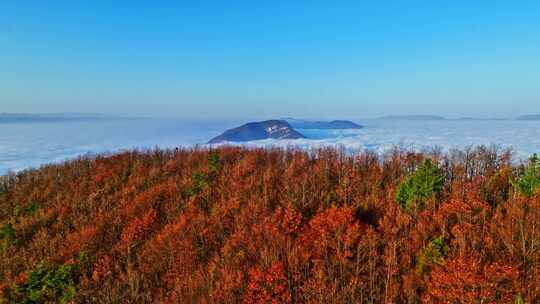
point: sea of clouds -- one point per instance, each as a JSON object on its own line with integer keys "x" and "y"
{"x": 30, "y": 145}
{"x": 523, "y": 137}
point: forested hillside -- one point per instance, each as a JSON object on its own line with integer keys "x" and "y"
{"x": 237, "y": 225}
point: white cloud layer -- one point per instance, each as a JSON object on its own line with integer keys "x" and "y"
{"x": 33, "y": 144}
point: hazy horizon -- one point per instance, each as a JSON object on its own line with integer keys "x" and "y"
{"x": 389, "y": 115}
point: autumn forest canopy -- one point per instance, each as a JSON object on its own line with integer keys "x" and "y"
{"x": 239, "y": 225}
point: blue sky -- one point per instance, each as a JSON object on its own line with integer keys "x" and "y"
{"x": 238, "y": 59}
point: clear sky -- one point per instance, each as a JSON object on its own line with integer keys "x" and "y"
{"x": 282, "y": 58}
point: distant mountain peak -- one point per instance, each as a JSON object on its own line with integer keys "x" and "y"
{"x": 322, "y": 125}
{"x": 276, "y": 129}
{"x": 412, "y": 117}
{"x": 59, "y": 117}
{"x": 529, "y": 117}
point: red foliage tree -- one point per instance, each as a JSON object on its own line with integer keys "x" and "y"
{"x": 268, "y": 285}
{"x": 466, "y": 279}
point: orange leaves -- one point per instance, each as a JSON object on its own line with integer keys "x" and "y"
{"x": 464, "y": 221}
{"x": 283, "y": 223}
{"x": 137, "y": 229}
{"x": 332, "y": 233}
{"x": 277, "y": 226}
{"x": 291, "y": 221}
{"x": 102, "y": 176}
{"x": 466, "y": 279}
{"x": 102, "y": 269}
{"x": 267, "y": 285}
{"x": 170, "y": 253}
{"x": 149, "y": 198}
{"x": 77, "y": 241}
